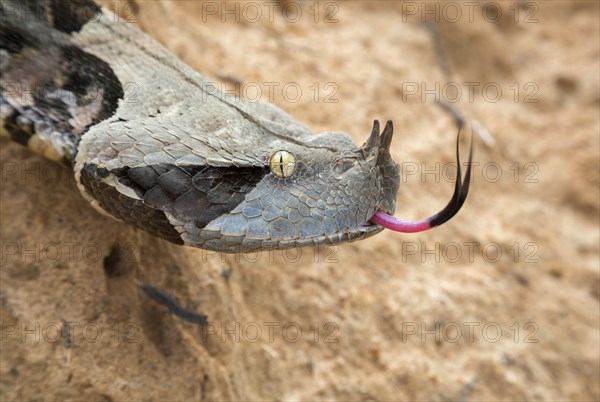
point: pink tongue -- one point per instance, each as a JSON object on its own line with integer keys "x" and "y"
{"x": 398, "y": 225}
{"x": 461, "y": 189}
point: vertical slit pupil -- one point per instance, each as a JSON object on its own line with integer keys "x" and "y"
{"x": 281, "y": 163}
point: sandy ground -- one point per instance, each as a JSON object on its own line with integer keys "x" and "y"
{"x": 501, "y": 303}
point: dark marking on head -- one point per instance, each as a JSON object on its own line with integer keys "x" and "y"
{"x": 194, "y": 194}
{"x": 70, "y": 16}
{"x": 130, "y": 210}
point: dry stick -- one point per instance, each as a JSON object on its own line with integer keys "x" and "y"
{"x": 454, "y": 111}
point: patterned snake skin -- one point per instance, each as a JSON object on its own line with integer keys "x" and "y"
{"x": 151, "y": 142}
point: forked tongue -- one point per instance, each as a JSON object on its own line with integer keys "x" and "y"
{"x": 461, "y": 189}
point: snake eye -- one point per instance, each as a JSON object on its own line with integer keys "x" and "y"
{"x": 282, "y": 164}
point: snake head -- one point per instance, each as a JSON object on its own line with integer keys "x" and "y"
{"x": 262, "y": 191}
{"x": 334, "y": 190}
{"x": 319, "y": 189}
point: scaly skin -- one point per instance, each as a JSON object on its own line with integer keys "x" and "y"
{"x": 151, "y": 142}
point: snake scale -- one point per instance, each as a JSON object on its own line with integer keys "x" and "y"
{"x": 192, "y": 166}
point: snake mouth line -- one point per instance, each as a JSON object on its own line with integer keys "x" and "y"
{"x": 365, "y": 227}
{"x": 367, "y": 224}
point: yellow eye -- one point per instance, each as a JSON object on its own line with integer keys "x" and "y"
{"x": 282, "y": 164}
